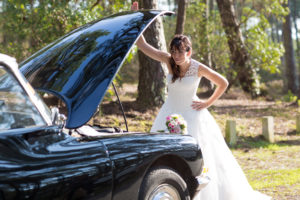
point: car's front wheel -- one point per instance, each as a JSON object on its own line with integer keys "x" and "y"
{"x": 163, "y": 183}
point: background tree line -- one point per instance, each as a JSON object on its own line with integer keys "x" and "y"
{"x": 252, "y": 43}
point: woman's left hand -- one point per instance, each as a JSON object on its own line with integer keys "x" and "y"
{"x": 200, "y": 104}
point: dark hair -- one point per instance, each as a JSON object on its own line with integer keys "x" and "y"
{"x": 179, "y": 42}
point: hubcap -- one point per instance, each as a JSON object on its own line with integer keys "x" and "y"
{"x": 165, "y": 192}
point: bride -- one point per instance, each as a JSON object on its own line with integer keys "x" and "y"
{"x": 228, "y": 182}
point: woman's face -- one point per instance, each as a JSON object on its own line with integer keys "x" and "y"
{"x": 180, "y": 56}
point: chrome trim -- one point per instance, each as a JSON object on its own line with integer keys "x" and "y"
{"x": 33, "y": 96}
{"x": 202, "y": 181}
{"x": 164, "y": 192}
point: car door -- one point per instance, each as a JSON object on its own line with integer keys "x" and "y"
{"x": 38, "y": 161}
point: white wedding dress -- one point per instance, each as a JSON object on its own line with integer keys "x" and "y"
{"x": 228, "y": 181}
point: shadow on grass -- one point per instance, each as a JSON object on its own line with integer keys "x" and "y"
{"x": 294, "y": 132}
{"x": 248, "y": 142}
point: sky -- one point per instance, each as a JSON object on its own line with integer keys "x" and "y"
{"x": 163, "y": 5}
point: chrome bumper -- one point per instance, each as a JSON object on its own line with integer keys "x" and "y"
{"x": 202, "y": 181}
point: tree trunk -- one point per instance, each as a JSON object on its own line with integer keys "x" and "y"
{"x": 239, "y": 56}
{"x": 180, "y": 17}
{"x": 207, "y": 52}
{"x": 205, "y": 48}
{"x": 294, "y": 17}
{"x": 152, "y": 74}
{"x": 291, "y": 72}
{"x": 211, "y": 6}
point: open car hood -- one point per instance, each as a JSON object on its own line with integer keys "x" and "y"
{"x": 80, "y": 66}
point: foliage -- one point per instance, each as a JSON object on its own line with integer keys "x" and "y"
{"x": 197, "y": 31}
{"x": 263, "y": 51}
{"x": 130, "y": 69}
{"x": 264, "y": 54}
{"x": 289, "y": 97}
{"x": 30, "y": 25}
{"x": 207, "y": 36}
{"x": 27, "y": 26}
{"x": 169, "y": 23}
{"x": 258, "y": 21}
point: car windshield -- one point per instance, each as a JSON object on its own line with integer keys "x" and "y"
{"x": 16, "y": 109}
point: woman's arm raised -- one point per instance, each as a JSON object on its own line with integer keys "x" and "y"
{"x": 152, "y": 52}
{"x": 149, "y": 50}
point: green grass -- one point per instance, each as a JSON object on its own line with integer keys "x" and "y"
{"x": 281, "y": 184}
{"x": 261, "y": 179}
{"x": 273, "y": 169}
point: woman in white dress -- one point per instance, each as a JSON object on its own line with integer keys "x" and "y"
{"x": 228, "y": 182}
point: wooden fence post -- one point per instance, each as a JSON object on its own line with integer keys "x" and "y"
{"x": 230, "y": 132}
{"x": 268, "y": 128}
{"x": 298, "y": 124}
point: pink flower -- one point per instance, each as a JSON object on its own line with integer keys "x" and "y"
{"x": 168, "y": 118}
{"x": 177, "y": 129}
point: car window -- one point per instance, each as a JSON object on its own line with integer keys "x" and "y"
{"x": 16, "y": 109}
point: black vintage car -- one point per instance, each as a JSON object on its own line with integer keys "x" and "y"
{"x": 44, "y": 155}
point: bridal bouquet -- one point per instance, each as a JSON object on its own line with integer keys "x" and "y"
{"x": 176, "y": 124}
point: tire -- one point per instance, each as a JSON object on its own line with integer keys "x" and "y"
{"x": 163, "y": 183}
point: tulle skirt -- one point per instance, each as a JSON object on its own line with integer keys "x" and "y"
{"x": 228, "y": 182}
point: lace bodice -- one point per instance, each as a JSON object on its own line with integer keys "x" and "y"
{"x": 193, "y": 69}
{"x": 183, "y": 91}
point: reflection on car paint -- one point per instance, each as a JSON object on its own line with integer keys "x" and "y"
{"x": 80, "y": 66}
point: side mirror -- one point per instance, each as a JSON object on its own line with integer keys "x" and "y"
{"x": 57, "y": 118}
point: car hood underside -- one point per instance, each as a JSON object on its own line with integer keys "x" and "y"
{"x": 80, "y": 66}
